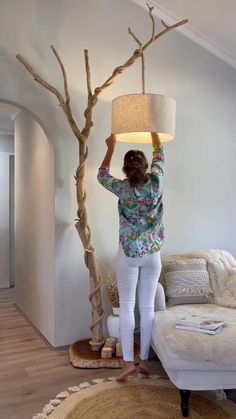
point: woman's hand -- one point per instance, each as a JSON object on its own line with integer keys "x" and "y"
{"x": 111, "y": 141}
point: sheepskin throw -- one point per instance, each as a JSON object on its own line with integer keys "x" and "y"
{"x": 193, "y": 346}
{"x": 187, "y": 281}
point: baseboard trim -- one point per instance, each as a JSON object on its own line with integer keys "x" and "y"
{"x": 53, "y": 348}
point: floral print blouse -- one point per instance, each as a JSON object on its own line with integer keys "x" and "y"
{"x": 140, "y": 208}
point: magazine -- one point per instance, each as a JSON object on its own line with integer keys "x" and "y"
{"x": 199, "y": 329}
{"x": 200, "y": 322}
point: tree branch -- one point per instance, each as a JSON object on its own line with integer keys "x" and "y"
{"x": 119, "y": 70}
{"x": 135, "y": 38}
{"x": 90, "y": 102}
{"x": 137, "y": 53}
{"x": 164, "y": 24}
{"x": 142, "y": 57}
{"x": 152, "y": 19}
{"x": 63, "y": 103}
{"x": 88, "y": 76}
{"x": 67, "y": 96}
{"x": 168, "y": 29}
{"x": 39, "y": 79}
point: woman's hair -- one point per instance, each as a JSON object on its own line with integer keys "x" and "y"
{"x": 135, "y": 167}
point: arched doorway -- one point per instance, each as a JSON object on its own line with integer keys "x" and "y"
{"x": 34, "y": 217}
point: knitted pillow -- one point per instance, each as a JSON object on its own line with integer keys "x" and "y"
{"x": 187, "y": 282}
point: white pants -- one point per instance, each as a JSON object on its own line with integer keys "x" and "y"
{"x": 129, "y": 270}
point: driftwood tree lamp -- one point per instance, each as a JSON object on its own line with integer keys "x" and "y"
{"x": 82, "y": 135}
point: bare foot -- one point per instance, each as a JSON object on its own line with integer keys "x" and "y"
{"x": 128, "y": 369}
{"x": 143, "y": 367}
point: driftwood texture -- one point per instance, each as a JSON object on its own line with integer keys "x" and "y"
{"x": 82, "y": 136}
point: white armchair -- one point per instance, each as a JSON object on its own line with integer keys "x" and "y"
{"x": 195, "y": 361}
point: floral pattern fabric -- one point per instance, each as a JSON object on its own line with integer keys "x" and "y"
{"x": 140, "y": 208}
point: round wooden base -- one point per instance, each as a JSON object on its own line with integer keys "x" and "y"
{"x": 82, "y": 356}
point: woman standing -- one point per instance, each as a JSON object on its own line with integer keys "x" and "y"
{"x": 141, "y": 237}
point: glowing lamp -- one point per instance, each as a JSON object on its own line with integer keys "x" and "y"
{"x": 135, "y": 116}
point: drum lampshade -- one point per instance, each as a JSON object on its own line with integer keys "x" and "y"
{"x": 135, "y": 116}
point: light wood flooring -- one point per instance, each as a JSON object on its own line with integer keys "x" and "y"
{"x": 31, "y": 373}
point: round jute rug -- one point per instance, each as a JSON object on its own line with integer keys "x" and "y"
{"x": 136, "y": 399}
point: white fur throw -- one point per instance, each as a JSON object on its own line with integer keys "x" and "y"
{"x": 194, "y": 346}
{"x": 221, "y": 267}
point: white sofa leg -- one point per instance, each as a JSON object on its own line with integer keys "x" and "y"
{"x": 185, "y": 394}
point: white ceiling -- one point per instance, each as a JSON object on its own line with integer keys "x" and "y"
{"x": 211, "y": 23}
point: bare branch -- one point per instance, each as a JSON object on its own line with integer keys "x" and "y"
{"x": 136, "y": 54}
{"x": 73, "y": 124}
{"x": 64, "y": 104}
{"x": 41, "y": 81}
{"x": 90, "y": 103}
{"x": 135, "y": 38}
{"x": 168, "y": 29}
{"x": 152, "y": 19}
{"x": 67, "y": 96}
{"x": 142, "y": 57}
{"x": 88, "y": 75}
{"x": 150, "y": 7}
{"x": 164, "y": 24}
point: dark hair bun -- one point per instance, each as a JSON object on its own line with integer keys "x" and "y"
{"x": 135, "y": 167}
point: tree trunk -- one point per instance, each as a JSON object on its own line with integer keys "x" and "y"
{"x": 89, "y": 251}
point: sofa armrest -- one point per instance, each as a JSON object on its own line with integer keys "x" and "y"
{"x": 160, "y": 301}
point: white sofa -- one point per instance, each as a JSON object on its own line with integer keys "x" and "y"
{"x": 195, "y": 361}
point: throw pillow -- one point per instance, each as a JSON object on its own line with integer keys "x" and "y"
{"x": 187, "y": 282}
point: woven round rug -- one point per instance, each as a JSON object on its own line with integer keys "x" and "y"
{"x": 136, "y": 399}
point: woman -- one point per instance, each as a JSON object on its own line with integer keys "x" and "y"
{"x": 141, "y": 237}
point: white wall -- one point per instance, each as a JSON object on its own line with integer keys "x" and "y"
{"x": 6, "y": 143}
{"x": 34, "y": 224}
{"x": 199, "y": 196}
{"x": 12, "y": 219}
{"x": 6, "y": 234}
{"x": 4, "y": 221}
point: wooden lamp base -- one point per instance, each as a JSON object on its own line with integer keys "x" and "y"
{"x": 82, "y": 356}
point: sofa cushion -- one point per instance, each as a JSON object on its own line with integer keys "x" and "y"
{"x": 187, "y": 281}
{"x": 219, "y": 263}
{"x": 193, "y": 346}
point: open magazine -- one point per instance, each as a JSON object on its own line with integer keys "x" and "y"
{"x": 199, "y": 323}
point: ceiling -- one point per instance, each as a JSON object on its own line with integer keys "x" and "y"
{"x": 211, "y": 23}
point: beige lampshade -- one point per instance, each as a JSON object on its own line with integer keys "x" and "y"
{"x": 135, "y": 116}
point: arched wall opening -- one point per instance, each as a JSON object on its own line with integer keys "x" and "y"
{"x": 34, "y": 219}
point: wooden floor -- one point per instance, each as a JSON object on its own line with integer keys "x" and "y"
{"x": 30, "y": 372}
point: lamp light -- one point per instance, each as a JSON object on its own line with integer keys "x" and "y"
{"x": 135, "y": 116}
